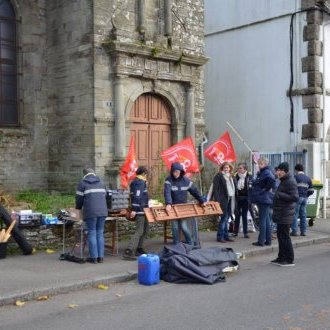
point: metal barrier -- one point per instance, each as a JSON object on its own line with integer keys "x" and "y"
{"x": 275, "y": 158}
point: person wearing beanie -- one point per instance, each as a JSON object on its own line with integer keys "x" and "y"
{"x": 284, "y": 204}
{"x": 305, "y": 189}
{"x": 91, "y": 199}
{"x": 139, "y": 200}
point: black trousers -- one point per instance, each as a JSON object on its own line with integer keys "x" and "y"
{"x": 285, "y": 249}
{"x": 242, "y": 210}
{"x": 17, "y": 235}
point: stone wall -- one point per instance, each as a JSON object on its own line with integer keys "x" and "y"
{"x": 24, "y": 149}
{"x": 311, "y": 65}
{"x": 136, "y": 49}
{"x": 70, "y": 98}
{"x": 72, "y": 55}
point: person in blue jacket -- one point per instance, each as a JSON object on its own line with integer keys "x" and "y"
{"x": 262, "y": 194}
{"x": 305, "y": 189}
{"x": 139, "y": 200}
{"x": 176, "y": 188}
{"x": 91, "y": 198}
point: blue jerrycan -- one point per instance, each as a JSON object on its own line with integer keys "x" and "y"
{"x": 148, "y": 269}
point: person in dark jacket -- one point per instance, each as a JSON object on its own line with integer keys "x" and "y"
{"x": 244, "y": 182}
{"x": 139, "y": 200}
{"x": 305, "y": 189}
{"x": 262, "y": 194}
{"x": 176, "y": 188}
{"x": 24, "y": 245}
{"x": 285, "y": 199}
{"x": 91, "y": 198}
{"x": 224, "y": 192}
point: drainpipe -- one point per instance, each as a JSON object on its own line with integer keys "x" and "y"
{"x": 324, "y": 125}
{"x": 205, "y": 140}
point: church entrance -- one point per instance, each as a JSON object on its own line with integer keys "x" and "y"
{"x": 151, "y": 128}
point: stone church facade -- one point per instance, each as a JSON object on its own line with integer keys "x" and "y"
{"x": 91, "y": 73}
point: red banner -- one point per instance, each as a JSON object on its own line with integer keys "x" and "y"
{"x": 221, "y": 150}
{"x": 183, "y": 152}
{"x": 127, "y": 171}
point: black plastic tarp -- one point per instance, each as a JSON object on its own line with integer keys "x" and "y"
{"x": 182, "y": 263}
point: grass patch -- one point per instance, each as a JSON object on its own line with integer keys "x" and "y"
{"x": 45, "y": 202}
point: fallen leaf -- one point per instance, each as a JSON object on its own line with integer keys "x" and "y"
{"x": 19, "y": 303}
{"x": 50, "y": 251}
{"x": 73, "y": 306}
{"x": 41, "y": 298}
{"x": 103, "y": 287}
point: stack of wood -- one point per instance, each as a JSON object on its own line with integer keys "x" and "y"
{"x": 181, "y": 211}
{"x": 5, "y": 234}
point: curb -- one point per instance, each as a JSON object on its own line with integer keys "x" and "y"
{"x": 80, "y": 285}
{"x": 266, "y": 250}
{"x": 132, "y": 275}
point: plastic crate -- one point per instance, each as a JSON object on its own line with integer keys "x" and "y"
{"x": 117, "y": 199}
{"x": 31, "y": 219}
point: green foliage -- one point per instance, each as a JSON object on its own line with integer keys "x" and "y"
{"x": 155, "y": 51}
{"x": 158, "y": 190}
{"x": 45, "y": 202}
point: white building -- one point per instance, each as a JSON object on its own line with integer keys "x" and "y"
{"x": 249, "y": 72}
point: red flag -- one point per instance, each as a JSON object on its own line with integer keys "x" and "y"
{"x": 221, "y": 150}
{"x": 127, "y": 171}
{"x": 183, "y": 152}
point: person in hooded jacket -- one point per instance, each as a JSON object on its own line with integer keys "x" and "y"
{"x": 91, "y": 199}
{"x": 139, "y": 200}
{"x": 176, "y": 188}
{"x": 284, "y": 205}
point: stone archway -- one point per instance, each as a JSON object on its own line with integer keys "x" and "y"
{"x": 151, "y": 121}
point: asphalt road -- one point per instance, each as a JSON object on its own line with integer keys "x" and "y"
{"x": 259, "y": 296}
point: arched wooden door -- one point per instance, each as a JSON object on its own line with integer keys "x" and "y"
{"x": 151, "y": 128}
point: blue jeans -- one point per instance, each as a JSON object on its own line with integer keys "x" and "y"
{"x": 183, "y": 225}
{"x": 265, "y": 224}
{"x": 301, "y": 213}
{"x": 95, "y": 227}
{"x": 222, "y": 233}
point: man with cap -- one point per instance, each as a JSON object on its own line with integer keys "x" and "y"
{"x": 139, "y": 200}
{"x": 284, "y": 204}
{"x": 91, "y": 198}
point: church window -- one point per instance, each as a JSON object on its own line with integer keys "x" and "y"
{"x": 8, "y": 66}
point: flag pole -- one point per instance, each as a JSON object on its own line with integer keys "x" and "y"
{"x": 239, "y": 136}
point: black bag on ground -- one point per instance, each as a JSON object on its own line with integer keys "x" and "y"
{"x": 182, "y": 263}
{"x": 16, "y": 234}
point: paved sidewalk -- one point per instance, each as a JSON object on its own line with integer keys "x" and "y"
{"x": 28, "y": 277}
